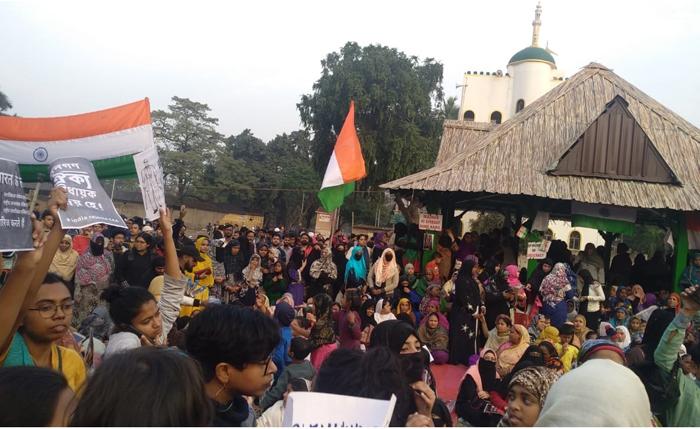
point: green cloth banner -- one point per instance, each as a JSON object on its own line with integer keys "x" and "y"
{"x": 607, "y": 225}
{"x": 331, "y": 198}
{"x": 120, "y": 167}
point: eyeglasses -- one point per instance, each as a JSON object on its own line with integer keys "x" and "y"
{"x": 49, "y": 310}
{"x": 267, "y": 363}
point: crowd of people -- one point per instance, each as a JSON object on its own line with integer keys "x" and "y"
{"x": 150, "y": 326}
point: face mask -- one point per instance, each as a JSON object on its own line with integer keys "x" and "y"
{"x": 388, "y": 257}
{"x": 358, "y": 256}
{"x": 413, "y": 366}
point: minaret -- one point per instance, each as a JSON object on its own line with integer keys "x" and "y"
{"x": 536, "y": 26}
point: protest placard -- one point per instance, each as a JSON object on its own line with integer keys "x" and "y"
{"x": 538, "y": 249}
{"x": 88, "y": 203}
{"x": 311, "y": 409}
{"x": 150, "y": 176}
{"x": 15, "y": 224}
{"x": 430, "y": 222}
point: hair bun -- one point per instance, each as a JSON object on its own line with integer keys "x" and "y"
{"x": 112, "y": 293}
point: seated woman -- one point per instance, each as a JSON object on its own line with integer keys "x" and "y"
{"x": 580, "y": 330}
{"x": 499, "y": 334}
{"x": 510, "y": 352}
{"x": 527, "y": 392}
{"x": 435, "y": 337}
{"x": 478, "y": 402}
{"x": 551, "y": 356}
{"x": 404, "y": 307}
{"x": 382, "y": 312}
{"x": 538, "y": 323}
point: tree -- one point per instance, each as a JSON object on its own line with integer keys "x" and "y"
{"x": 450, "y": 109}
{"x": 486, "y": 222}
{"x": 4, "y": 103}
{"x": 646, "y": 239}
{"x": 394, "y": 96}
{"x": 188, "y": 141}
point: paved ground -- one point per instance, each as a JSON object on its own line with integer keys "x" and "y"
{"x": 448, "y": 379}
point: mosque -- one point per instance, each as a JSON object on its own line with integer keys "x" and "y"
{"x": 489, "y": 98}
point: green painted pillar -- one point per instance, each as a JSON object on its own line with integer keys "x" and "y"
{"x": 531, "y": 265}
{"x": 680, "y": 241}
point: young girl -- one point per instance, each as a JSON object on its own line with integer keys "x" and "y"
{"x": 636, "y": 331}
{"x": 527, "y": 392}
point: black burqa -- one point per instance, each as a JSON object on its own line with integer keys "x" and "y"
{"x": 463, "y": 325}
{"x": 536, "y": 280}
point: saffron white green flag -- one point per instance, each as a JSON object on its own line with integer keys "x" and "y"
{"x": 109, "y": 138}
{"x": 345, "y": 166}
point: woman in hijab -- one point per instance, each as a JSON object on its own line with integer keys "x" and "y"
{"x": 465, "y": 307}
{"x": 478, "y": 402}
{"x": 533, "y": 284}
{"x": 403, "y": 340}
{"x": 538, "y": 323}
{"x": 499, "y": 334}
{"x": 367, "y": 322}
{"x": 276, "y": 285}
{"x": 497, "y": 297}
{"x": 91, "y": 278}
{"x": 382, "y": 311}
{"x": 323, "y": 272}
{"x": 404, "y": 307}
{"x": 252, "y": 277}
{"x": 510, "y": 353}
{"x": 638, "y": 268}
{"x": 590, "y": 260}
{"x": 433, "y": 307}
{"x": 580, "y": 330}
{"x": 622, "y": 337}
{"x": 555, "y": 290}
{"x": 435, "y": 337}
{"x": 322, "y": 335}
{"x": 527, "y": 392}
{"x": 356, "y": 269}
{"x": 592, "y": 296}
{"x": 340, "y": 262}
{"x": 65, "y": 260}
{"x": 621, "y": 267}
{"x": 384, "y": 277}
{"x": 201, "y": 278}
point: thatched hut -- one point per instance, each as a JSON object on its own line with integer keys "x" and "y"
{"x": 595, "y": 138}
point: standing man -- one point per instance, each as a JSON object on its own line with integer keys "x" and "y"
{"x": 277, "y": 247}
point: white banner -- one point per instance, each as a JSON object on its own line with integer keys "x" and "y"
{"x": 430, "y": 222}
{"x": 151, "y": 181}
{"x": 311, "y": 409}
{"x": 538, "y": 249}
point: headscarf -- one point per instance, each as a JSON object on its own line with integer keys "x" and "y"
{"x": 284, "y": 314}
{"x": 437, "y": 338}
{"x": 536, "y": 380}
{"x": 612, "y": 394}
{"x": 622, "y": 339}
{"x": 513, "y": 274}
{"x": 378, "y": 316}
{"x": 384, "y": 270}
{"x": 584, "y": 331}
{"x": 357, "y": 266}
{"x": 604, "y": 329}
{"x": 677, "y": 309}
{"x": 64, "y": 263}
{"x": 442, "y": 320}
{"x": 551, "y": 334}
{"x": 593, "y": 259}
{"x": 324, "y": 264}
{"x": 533, "y": 330}
{"x": 91, "y": 268}
{"x": 613, "y": 319}
{"x": 483, "y": 373}
{"x": 591, "y": 346}
{"x": 205, "y": 264}
{"x": 252, "y": 277}
{"x": 401, "y": 301}
{"x": 509, "y": 354}
{"x": 392, "y": 334}
{"x": 364, "y": 318}
{"x": 555, "y": 285}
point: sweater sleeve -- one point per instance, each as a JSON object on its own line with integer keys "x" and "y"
{"x": 276, "y": 392}
{"x": 666, "y": 352}
{"x": 170, "y": 299}
{"x": 391, "y": 283}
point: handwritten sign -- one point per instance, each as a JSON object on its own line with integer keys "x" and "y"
{"x": 538, "y": 249}
{"x": 15, "y": 223}
{"x": 323, "y": 410}
{"x": 430, "y": 222}
{"x": 150, "y": 176}
{"x": 88, "y": 203}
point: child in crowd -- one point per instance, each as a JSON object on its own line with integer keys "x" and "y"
{"x": 299, "y": 367}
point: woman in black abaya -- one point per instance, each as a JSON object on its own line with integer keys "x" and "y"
{"x": 463, "y": 324}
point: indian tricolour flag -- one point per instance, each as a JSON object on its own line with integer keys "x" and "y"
{"x": 345, "y": 166}
{"x": 109, "y": 138}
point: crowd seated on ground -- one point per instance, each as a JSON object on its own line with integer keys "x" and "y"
{"x": 148, "y": 326}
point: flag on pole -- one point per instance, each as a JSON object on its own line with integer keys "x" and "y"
{"x": 109, "y": 138}
{"x": 345, "y": 166}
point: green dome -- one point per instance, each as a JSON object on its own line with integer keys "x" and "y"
{"x": 532, "y": 53}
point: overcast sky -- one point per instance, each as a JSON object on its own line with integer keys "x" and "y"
{"x": 251, "y": 61}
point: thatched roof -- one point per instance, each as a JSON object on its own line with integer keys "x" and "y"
{"x": 457, "y": 136}
{"x": 516, "y": 156}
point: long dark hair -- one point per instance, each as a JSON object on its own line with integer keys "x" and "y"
{"x": 125, "y": 303}
{"x": 145, "y": 387}
{"x": 29, "y": 395}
